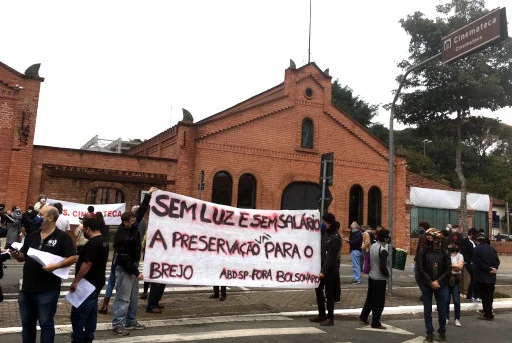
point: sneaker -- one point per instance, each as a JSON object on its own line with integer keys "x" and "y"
{"x": 429, "y": 338}
{"x": 442, "y": 337}
{"x": 358, "y": 282}
{"x": 135, "y": 326}
{"x": 380, "y": 327}
{"x": 478, "y": 300}
{"x": 120, "y": 331}
{"x": 473, "y": 300}
{"x": 457, "y": 323}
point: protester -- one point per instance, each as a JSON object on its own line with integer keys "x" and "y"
{"x": 454, "y": 283}
{"x": 379, "y": 273}
{"x": 91, "y": 266}
{"x": 62, "y": 222}
{"x": 485, "y": 264}
{"x": 40, "y": 202}
{"x": 40, "y": 289}
{"x": 103, "y": 227}
{"x": 365, "y": 249}
{"x": 355, "y": 241}
{"x": 4, "y": 256}
{"x": 468, "y": 245}
{"x": 433, "y": 274}
{"x": 13, "y": 226}
{"x": 26, "y": 220}
{"x": 329, "y": 272}
{"x": 128, "y": 247}
{"x": 81, "y": 240}
{"x": 456, "y": 235}
{"x": 90, "y": 210}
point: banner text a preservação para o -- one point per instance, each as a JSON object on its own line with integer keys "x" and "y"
{"x": 194, "y": 242}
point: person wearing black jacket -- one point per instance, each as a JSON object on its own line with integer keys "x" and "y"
{"x": 434, "y": 268}
{"x": 485, "y": 264}
{"x": 127, "y": 248}
{"x": 330, "y": 247}
{"x": 467, "y": 247}
{"x": 355, "y": 241}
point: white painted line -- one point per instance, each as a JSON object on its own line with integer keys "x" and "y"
{"x": 418, "y": 339}
{"x": 389, "y": 329}
{"x": 196, "y": 336}
{"x": 67, "y": 328}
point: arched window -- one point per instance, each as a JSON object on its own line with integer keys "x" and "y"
{"x": 307, "y": 134}
{"x": 104, "y": 196}
{"x": 246, "y": 191}
{"x": 355, "y": 209}
{"x": 221, "y": 190}
{"x": 374, "y": 207}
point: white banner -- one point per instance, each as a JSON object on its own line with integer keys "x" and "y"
{"x": 194, "y": 242}
{"x": 437, "y": 198}
{"x": 72, "y": 211}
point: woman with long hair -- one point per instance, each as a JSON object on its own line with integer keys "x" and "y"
{"x": 103, "y": 228}
{"x": 453, "y": 285}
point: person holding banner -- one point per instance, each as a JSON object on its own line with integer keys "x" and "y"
{"x": 128, "y": 250}
{"x": 329, "y": 272}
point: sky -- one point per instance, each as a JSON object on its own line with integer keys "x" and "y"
{"x": 125, "y": 69}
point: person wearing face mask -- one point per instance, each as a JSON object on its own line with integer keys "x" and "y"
{"x": 329, "y": 272}
{"x": 91, "y": 266}
{"x": 356, "y": 241}
{"x": 434, "y": 268}
{"x": 453, "y": 285}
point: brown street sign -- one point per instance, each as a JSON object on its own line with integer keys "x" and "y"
{"x": 476, "y": 35}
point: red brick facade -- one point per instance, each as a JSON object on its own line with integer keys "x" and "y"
{"x": 260, "y": 136}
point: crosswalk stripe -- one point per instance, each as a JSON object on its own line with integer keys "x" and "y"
{"x": 196, "y": 336}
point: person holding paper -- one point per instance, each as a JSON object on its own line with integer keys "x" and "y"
{"x": 91, "y": 266}
{"x": 40, "y": 291}
{"x": 127, "y": 247}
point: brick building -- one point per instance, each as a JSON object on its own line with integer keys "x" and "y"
{"x": 261, "y": 153}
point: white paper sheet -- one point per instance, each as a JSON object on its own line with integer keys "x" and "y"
{"x": 45, "y": 258}
{"x": 17, "y": 245}
{"x": 83, "y": 289}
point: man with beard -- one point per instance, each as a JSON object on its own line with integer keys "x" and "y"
{"x": 329, "y": 272}
{"x": 434, "y": 268}
{"x": 91, "y": 266}
{"x": 40, "y": 291}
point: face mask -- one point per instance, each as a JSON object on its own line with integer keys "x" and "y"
{"x": 323, "y": 227}
{"x": 430, "y": 243}
{"x": 422, "y": 232}
{"x": 454, "y": 250}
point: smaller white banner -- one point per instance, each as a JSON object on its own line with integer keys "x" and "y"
{"x": 72, "y": 211}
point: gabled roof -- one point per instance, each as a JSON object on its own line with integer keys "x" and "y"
{"x": 17, "y": 73}
{"x": 415, "y": 180}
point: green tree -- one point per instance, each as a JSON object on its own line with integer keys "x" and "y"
{"x": 452, "y": 94}
{"x": 344, "y": 99}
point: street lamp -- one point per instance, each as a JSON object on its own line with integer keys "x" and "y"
{"x": 425, "y": 141}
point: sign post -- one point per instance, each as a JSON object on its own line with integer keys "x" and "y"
{"x": 326, "y": 176}
{"x": 200, "y": 186}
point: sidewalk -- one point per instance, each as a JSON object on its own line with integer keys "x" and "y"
{"x": 239, "y": 303}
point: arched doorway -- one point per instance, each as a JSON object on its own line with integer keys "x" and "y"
{"x": 374, "y": 207}
{"x": 301, "y": 196}
{"x": 355, "y": 208}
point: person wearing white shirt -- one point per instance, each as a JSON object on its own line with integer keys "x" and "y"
{"x": 62, "y": 223}
{"x": 454, "y": 284}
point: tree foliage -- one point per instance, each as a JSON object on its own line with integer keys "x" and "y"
{"x": 344, "y": 99}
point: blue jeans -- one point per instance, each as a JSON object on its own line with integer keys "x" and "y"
{"x": 34, "y": 307}
{"x": 355, "y": 257}
{"x": 453, "y": 292}
{"x": 84, "y": 319}
{"x": 127, "y": 298}
{"x": 440, "y": 294}
{"x": 111, "y": 282}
